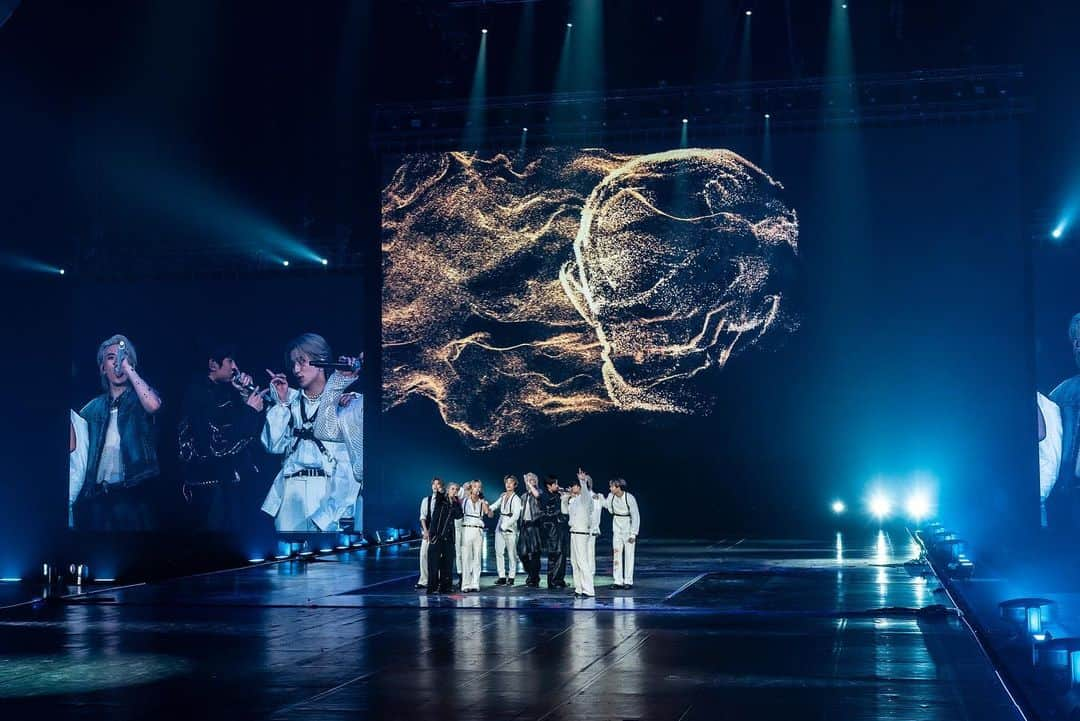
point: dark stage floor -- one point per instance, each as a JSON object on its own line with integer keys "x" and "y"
{"x": 731, "y": 629}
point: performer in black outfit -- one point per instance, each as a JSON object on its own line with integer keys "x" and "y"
{"x": 529, "y": 545}
{"x": 442, "y": 513}
{"x": 222, "y": 418}
{"x": 554, "y": 532}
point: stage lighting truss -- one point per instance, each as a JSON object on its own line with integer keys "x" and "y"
{"x": 922, "y": 97}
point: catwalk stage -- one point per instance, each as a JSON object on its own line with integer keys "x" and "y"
{"x": 837, "y": 628}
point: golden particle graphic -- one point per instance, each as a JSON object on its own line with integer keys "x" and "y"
{"x": 520, "y": 295}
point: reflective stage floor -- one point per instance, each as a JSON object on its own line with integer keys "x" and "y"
{"x": 732, "y": 629}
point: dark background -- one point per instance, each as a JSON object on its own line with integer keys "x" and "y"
{"x": 913, "y": 307}
{"x": 266, "y": 106}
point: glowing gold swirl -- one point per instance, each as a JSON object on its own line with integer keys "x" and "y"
{"x": 518, "y": 295}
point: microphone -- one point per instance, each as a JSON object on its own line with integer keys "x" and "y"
{"x": 338, "y": 365}
{"x": 121, "y": 354}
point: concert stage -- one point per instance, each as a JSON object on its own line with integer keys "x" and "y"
{"x": 839, "y": 627}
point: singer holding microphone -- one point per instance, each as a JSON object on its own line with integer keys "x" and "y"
{"x": 222, "y": 417}
{"x": 121, "y": 445}
{"x": 318, "y": 427}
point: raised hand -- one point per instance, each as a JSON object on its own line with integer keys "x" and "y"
{"x": 354, "y": 361}
{"x": 280, "y": 384}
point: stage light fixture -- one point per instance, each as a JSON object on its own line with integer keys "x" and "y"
{"x": 838, "y": 507}
{"x": 767, "y": 116}
{"x": 63, "y": 272}
{"x": 285, "y": 263}
{"x": 524, "y": 130}
{"x": 324, "y": 261}
{"x": 880, "y": 505}
{"x": 569, "y": 25}
{"x": 256, "y": 560}
{"x": 1034, "y": 614}
{"x": 918, "y": 505}
{"x": 749, "y": 13}
{"x": 484, "y": 31}
{"x": 1058, "y": 231}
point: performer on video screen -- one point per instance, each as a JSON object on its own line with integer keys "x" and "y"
{"x": 319, "y": 429}
{"x": 1063, "y": 502}
{"x": 578, "y": 505}
{"x": 121, "y": 445}
{"x": 1049, "y": 417}
{"x": 222, "y": 417}
{"x": 625, "y": 524}
{"x": 77, "y": 456}
{"x": 506, "y": 532}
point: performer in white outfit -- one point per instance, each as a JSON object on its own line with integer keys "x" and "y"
{"x": 1049, "y": 449}
{"x": 506, "y": 532}
{"x": 579, "y": 505}
{"x": 76, "y": 463}
{"x": 598, "y": 508}
{"x": 319, "y": 429}
{"x": 625, "y": 523}
{"x": 472, "y": 548}
{"x": 425, "y": 523}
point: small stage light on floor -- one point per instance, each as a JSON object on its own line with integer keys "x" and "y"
{"x": 80, "y": 573}
{"x": 838, "y": 507}
{"x": 1033, "y": 615}
{"x": 256, "y": 560}
{"x": 1058, "y": 661}
{"x": 284, "y": 550}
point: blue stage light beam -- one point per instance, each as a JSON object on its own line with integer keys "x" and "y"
{"x": 26, "y": 264}
{"x": 476, "y": 120}
{"x": 191, "y": 202}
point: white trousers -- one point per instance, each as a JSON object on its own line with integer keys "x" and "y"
{"x": 623, "y": 561}
{"x": 424, "y": 546}
{"x": 581, "y": 564}
{"x": 506, "y": 553}
{"x": 458, "y": 539}
{"x": 472, "y": 549}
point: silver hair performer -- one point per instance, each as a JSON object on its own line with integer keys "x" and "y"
{"x": 129, "y": 351}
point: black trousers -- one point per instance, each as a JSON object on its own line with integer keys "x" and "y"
{"x": 441, "y": 565}
{"x": 121, "y": 509}
{"x": 215, "y": 508}
{"x": 556, "y": 569}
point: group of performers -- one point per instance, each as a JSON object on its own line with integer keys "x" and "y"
{"x": 316, "y": 428}
{"x": 545, "y": 520}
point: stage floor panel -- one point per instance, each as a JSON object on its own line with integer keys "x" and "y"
{"x": 730, "y": 628}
